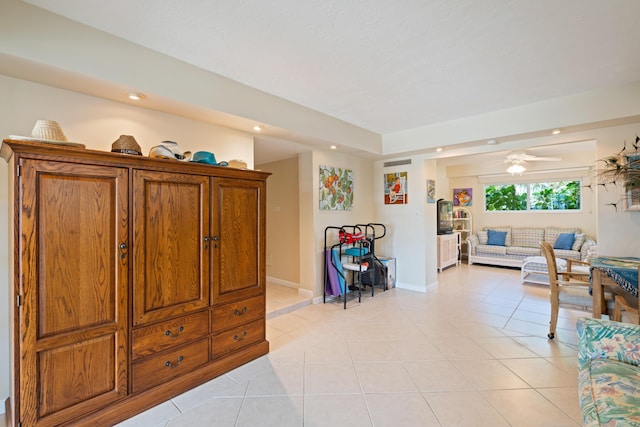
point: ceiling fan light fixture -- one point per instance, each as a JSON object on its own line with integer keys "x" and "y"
{"x": 516, "y": 169}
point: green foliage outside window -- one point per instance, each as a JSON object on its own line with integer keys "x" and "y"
{"x": 511, "y": 197}
{"x": 539, "y": 196}
{"x": 555, "y": 195}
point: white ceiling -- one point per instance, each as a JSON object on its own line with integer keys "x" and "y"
{"x": 388, "y": 66}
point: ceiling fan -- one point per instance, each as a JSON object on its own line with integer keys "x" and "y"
{"x": 519, "y": 158}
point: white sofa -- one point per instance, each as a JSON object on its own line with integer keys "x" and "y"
{"x": 524, "y": 242}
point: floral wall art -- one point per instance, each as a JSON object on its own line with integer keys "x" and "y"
{"x": 336, "y": 188}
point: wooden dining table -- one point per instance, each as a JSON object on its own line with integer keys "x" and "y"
{"x": 614, "y": 271}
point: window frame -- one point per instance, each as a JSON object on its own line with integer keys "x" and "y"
{"x": 529, "y": 185}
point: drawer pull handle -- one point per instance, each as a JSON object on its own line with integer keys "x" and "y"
{"x": 169, "y": 334}
{"x": 168, "y": 364}
{"x": 240, "y": 312}
{"x": 237, "y": 338}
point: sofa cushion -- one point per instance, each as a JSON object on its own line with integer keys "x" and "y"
{"x": 578, "y": 240}
{"x": 507, "y": 240}
{"x": 496, "y": 238}
{"x": 483, "y": 237}
{"x": 551, "y": 233}
{"x": 526, "y": 252}
{"x": 564, "y": 241}
{"x": 491, "y": 250}
{"x": 527, "y": 237}
{"x": 609, "y": 392}
{"x": 567, "y": 254}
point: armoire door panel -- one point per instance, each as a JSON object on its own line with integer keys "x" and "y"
{"x": 76, "y": 373}
{"x": 74, "y": 315}
{"x": 77, "y": 252}
{"x": 171, "y": 262}
{"x": 239, "y": 223}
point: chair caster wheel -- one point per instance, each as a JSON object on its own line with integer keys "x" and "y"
{"x": 551, "y": 335}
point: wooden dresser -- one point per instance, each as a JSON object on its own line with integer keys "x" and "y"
{"x": 133, "y": 280}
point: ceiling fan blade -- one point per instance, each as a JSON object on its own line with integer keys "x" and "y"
{"x": 544, "y": 159}
{"x": 521, "y": 156}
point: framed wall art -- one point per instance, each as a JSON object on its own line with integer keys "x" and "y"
{"x": 431, "y": 191}
{"x": 336, "y": 189}
{"x": 633, "y": 180}
{"x": 462, "y": 196}
{"x": 395, "y": 188}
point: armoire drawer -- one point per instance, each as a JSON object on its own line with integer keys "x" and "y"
{"x": 236, "y": 338}
{"x": 168, "y": 365}
{"x": 236, "y": 313}
{"x": 161, "y": 336}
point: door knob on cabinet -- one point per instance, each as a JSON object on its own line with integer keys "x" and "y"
{"x": 123, "y": 247}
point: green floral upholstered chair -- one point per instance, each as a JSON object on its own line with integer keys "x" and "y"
{"x": 608, "y": 373}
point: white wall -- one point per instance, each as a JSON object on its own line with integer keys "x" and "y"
{"x": 283, "y": 222}
{"x": 314, "y": 221}
{"x": 411, "y": 234}
{"x": 618, "y": 230}
{"x": 96, "y": 123}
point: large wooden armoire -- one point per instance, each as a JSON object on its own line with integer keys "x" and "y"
{"x": 133, "y": 280}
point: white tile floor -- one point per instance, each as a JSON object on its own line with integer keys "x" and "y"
{"x": 471, "y": 351}
{"x": 282, "y": 300}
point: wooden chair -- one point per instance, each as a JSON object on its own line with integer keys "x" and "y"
{"x": 578, "y": 269}
{"x": 621, "y": 308}
{"x": 567, "y": 288}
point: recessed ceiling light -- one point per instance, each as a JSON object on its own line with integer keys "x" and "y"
{"x": 257, "y": 128}
{"x": 333, "y": 147}
{"x": 555, "y": 131}
{"x": 439, "y": 149}
{"x": 136, "y": 96}
{"x": 492, "y": 141}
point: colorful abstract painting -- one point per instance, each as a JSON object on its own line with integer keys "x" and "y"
{"x": 336, "y": 189}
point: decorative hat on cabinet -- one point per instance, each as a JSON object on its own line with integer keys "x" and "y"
{"x": 126, "y": 144}
{"x": 47, "y": 131}
{"x": 169, "y": 150}
{"x": 207, "y": 157}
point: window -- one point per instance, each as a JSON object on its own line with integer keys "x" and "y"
{"x": 535, "y": 196}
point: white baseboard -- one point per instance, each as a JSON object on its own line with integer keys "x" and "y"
{"x": 409, "y": 287}
{"x": 302, "y": 292}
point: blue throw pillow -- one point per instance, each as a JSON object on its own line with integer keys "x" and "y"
{"x": 564, "y": 241}
{"x": 496, "y": 238}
